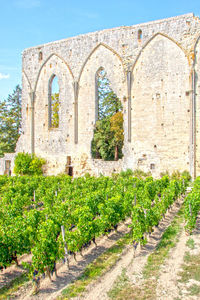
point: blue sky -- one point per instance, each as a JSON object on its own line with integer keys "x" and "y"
{"x": 27, "y": 23}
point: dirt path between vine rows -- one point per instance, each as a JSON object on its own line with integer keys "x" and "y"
{"x": 50, "y": 290}
{"x": 169, "y": 287}
{"x": 7, "y": 275}
{"x": 133, "y": 265}
{"x": 98, "y": 290}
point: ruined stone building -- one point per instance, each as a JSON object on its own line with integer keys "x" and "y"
{"x": 154, "y": 69}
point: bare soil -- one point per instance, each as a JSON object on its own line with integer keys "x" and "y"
{"x": 169, "y": 286}
{"x": 133, "y": 265}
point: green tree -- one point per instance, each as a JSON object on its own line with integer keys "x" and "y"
{"x": 55, "y": 110}
{"x": 108, "y": 102}
{"x": 108, "y": 137}
{"x": 27, "y": 164}
{"x": 101, "y": 143}
{"x": 116, "y": 126}
{"x": 10, "y": 121}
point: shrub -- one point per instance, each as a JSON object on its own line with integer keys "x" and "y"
{"x": 127, "y": 173}
{"x": 27, "y": 164}
{"x": 186, "y": 175}
{"x": 141, "y": 174}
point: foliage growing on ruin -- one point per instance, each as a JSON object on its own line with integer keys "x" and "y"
{"x": 27, "y": 164}
{"x": 10, "y": 121}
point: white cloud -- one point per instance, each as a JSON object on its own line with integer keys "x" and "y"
{"x": 4, "y": 76}
{"x": 27, "y": 3}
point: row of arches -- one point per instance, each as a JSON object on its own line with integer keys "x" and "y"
{"x": 108, "y": 137}
{"x": 139, "y": 37}
{"x": 156, "y": 106}
{"x": 103, "y": 93}
{"x": 34, "y": 86}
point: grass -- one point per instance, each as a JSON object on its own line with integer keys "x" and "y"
{"x": 151, "y": 270}
{"x": 95, "y": 269}
{"x": 191, "y": 268}
{"x": 194, "y": 290}
{"x": 168, "y": 241}
{"x": 7, "y": 291}
{"x": 190, "y": 243}
{"x": 120, "y": 284}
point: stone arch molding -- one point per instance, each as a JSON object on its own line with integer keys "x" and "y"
{"x": 102, "y": 56}
{"x": 195, "y": 48}
{"x": 161, "y": 79}
{"x": 29, "y": 83}
{"x": 54, "y": 66}
{"x": 197, "y": 40}
{"x": 196, "y": 95}
{"x": 45, "y": 63}
{"x": 151, "y": 39}
{"x": 57, "y": 139}
{"x": 93, "y": 51}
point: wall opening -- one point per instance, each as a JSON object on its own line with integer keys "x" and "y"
{"x": 40, "y": 56}
{"x": 7, "y": 167}
{"x": 69, "y": 168}
{"x": 108, "y": 136}
{"x": 152, "y": 166}
{"x": 53, "y": 102}
{"x": 139, "y": 35}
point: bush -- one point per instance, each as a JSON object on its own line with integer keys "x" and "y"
{"x": 127, "y": 173}
{"x": 27, "y": 164}
{"x": 186, "y": 175}
{"x": 141, "y": 174}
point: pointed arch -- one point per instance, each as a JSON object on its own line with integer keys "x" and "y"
{"x": 53, "y": 103}
{"x": 92, "y": 52}
{"x": 45, "y": 62}
{"x": 29, "y": 83}
{"x": 195, "y": 45}
{"x": 151, "y": 39}
{"x": 96, "y": 93}
{"x": 159, "y": 97}
{"x": 102, "y": 56}
{"x": 196, "y": 95}
{"x": 196, "y": 42}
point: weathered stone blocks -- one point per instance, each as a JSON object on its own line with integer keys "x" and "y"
{"x": 162, "y": 111}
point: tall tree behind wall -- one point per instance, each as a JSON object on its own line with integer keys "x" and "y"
{"x": 108, "y": 136}
{"x": 55, "y": 110}
{"x": 108, "y": 102}
{"x": 10, "y": 121}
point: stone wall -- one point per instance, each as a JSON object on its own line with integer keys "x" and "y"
{"x": 159, "y": 97}
{"x": 7, "y": 157}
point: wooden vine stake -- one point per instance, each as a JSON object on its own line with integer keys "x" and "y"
{"x": 65, "y": 245}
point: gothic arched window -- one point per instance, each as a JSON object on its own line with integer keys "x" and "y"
{"x": 139, "y": 35}
{"x": 53, "y": 102}
{"x": 108, "y": 135}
